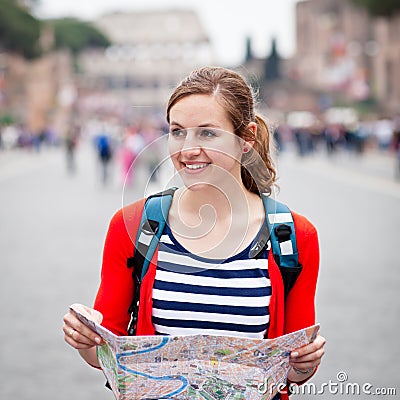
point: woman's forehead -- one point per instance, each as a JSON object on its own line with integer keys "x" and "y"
{"x": 198, "y": 110}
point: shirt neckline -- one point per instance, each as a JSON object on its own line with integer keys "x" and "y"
{"x": 236, "y": 256}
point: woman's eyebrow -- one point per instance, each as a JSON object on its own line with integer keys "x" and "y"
{"x": 209, "y": 125}
{"x": 175, "y": 124}
{"x": 203, "y": 125}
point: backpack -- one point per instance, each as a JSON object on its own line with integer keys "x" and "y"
{"x": 279, "y": 228}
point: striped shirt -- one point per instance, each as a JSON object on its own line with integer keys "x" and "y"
{"x": 196, "y": 295}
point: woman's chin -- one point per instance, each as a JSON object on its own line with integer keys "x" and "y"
{"x": 198, "y": 186}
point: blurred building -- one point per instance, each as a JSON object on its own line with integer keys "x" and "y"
{"x": 341, "y": 49}
{"x": 35, "y": 91}
{"x": 151, "y": 52}
{"x": 386, "y": 66}
{"x": 271, "y": 78}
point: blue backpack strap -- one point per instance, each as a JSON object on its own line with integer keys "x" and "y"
{"x": 154, "y": 216}
{"x": 282, "y": 233}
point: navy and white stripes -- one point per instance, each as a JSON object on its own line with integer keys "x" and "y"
{"x": 194, "y": 295}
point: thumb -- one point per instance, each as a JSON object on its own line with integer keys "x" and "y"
{"x": 89, "y": 313}
{"x": 96, "y": 316}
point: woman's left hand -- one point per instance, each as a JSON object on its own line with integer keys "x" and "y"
{"x": 305, "y": 359}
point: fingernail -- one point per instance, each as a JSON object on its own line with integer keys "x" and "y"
{"x": 294, "y": 354}
{"x": 97, "y": 340}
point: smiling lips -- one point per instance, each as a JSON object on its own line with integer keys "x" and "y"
{"x": 195, "y": 166}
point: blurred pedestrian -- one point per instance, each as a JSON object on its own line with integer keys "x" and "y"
{"x": 105, "y": 153}
{"x": 334, "y": 137}
{"x": 303, "y": 141}
{"x": 221, "y": 149}
{"x": 71, "y": 143}
{"x": 396, "y": 144}
{"x": 384, "y": 132}
{"x": 132, "y": 145}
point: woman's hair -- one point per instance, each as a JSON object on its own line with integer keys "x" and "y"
{"x": 236, "y": 97}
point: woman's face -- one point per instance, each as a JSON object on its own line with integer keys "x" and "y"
{"x": 202, "y": 145}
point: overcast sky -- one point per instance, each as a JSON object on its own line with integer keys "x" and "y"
{"x": 227, "y": 22}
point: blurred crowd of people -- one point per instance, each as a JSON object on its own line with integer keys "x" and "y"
{"x": 19, "y": 136}
{"x": 116, "y": 143}
{"x": 382, "y": 134}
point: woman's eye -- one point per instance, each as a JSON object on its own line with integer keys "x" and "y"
{"x": 207, "y": 133}
{"x": 178, "y": 133}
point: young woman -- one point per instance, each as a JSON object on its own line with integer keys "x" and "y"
{"x": 201, "y": 279}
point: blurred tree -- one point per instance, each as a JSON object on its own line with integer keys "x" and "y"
{"x": 77, "y": 35}
{"x": 19, "y": 30}
{"x": 29, "y": 5}
{"x": 384, "y": 7}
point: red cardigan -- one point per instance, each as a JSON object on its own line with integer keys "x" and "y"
{"x": 116, "y": 287}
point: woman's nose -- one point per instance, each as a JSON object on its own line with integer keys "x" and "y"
{"x": 191, "y": 144}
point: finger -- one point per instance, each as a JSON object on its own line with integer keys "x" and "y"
{"x": 79, "y": 341}
{"x": 68, "y": 330}
{"x": 78, "y": 336}
{"x": 314, "y": 357}
{"x": 88, "y": 312}
{"x": 85, "y": 335}
{"x": 305, "y": 365}
{"x": 317, "y": 344}
{"x": 77, "y": 345}
{"x": 71, "y": 322}
{"x": 83, "y": 340}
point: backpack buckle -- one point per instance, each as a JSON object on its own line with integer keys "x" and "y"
{"x": 283, "y": 232}
{"x": 150, "y": 227}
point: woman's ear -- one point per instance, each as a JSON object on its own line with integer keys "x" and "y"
{"x": 248, "y": 144}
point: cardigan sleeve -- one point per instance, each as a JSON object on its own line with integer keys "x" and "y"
{"x": 300, "y": 303}
{"x": 116, "y": 288}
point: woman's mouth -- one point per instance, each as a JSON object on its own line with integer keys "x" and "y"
{"x": 195, "y": 167}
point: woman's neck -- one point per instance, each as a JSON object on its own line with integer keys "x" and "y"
{"x": 223, "y": 201}
{"x": 207, "y": 221}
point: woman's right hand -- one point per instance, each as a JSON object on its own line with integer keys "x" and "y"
{"x": 78, "y": 335}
